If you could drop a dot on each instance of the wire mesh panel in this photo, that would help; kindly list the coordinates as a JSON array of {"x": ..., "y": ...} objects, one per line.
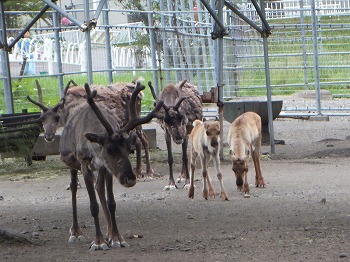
[{"x": 183, "y": 48}]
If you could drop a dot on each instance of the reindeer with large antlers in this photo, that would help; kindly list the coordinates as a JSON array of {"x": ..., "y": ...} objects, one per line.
[
  {"x": 182, "y": 105},
  {"x": 94, "y": 142}
]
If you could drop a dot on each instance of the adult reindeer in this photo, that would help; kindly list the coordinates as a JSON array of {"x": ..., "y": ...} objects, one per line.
[
  {"x": 182, "y": 105},
  {"x": 94, "y": 142},
  {"x": 50, "y": 116}
]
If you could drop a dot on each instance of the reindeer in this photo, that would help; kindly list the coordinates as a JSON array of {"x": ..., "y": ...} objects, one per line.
[
  {"x": 244, "y": 138},
  {"x": 94, "y": 142},
  {"x": 182, "y": 105},
  {"x": 50, "y": 116},
  {"x": 205, "y": 137}
]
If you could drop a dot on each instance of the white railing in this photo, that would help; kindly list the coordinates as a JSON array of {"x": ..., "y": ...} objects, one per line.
[{"x": 292, "y": 8}]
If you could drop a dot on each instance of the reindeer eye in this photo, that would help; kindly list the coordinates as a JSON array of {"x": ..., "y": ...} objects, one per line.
[{"x": 208, "y": 133}]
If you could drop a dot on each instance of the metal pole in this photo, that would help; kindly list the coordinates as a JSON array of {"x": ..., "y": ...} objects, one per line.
[
  {"x": 28, "y": 26},
  {"x": 316, "y": 65},
  {"x": 212, "y": 12},
  {"x": 64, "y": 13},
  {"x": 153, "y": 45},
  {"x": 88, "y": 44},
  {"x": 99, "y": 9},
  {"x": 5, "y": 64},
  {"x": 58, "y": 51},
  {"x": 164, "y": 41},
  {"x": 303, "y": 38},
  {"x": 220, "y": 78},
  {"x": 108, "y": 44},
  {"x": 268, "y": 83}
]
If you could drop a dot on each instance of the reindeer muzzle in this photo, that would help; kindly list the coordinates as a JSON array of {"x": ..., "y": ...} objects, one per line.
[
  {"x": 239, "y": 181},
  {"x": 49, "y": 138},
  {"x": 214, "y": 144},
  {"x": 128, "y": 180}
]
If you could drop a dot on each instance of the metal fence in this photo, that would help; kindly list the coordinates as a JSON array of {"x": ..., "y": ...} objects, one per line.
[{"x": 181, "y": 46}]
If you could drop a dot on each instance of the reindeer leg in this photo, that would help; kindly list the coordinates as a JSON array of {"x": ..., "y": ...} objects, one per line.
[
  {"x": 99, "y": 242},
  {"x": 138, "y": 147},
  {"x": 103, "y": 175},
  {"x": 171, "y": 185},
  {"x": 259, "y": 180},
  {"x": 205, "y": 192},
  {"x": 75, "y": 231},
  {"x": 216, "y": 161},
  {"x": 246, "y": 189},
  {"x": 211, "y": 191},
  {"x": 185, "y": 172},
  {"x": 116, "y": 239},
  {"x": 145, "y": 143},
  {"x": 193, "y": 167}
]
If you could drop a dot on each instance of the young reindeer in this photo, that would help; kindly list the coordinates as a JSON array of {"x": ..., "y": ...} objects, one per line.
[
  {"x": 182, "y": 105},
  {"x": 244, "y": 138},
  {"x": 94, "y": 142},
  {"x": 205, "y": 138}
]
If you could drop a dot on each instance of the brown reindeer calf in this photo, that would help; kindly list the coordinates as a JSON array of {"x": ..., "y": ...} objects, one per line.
[
  {"x": 244, "y": 139},
  {"x": 205, "y": 138}
]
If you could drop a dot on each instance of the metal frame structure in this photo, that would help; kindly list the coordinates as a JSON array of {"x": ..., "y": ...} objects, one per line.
[{"x": 219, "y": 31}]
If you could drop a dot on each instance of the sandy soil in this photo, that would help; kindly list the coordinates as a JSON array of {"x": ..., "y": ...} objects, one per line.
[{"x": 303, "y": 213}]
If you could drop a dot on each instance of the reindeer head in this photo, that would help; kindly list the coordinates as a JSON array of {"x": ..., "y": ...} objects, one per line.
[
  {"x": 173, "y": 118},
  {"x": 50, "y": 117},
  {"x": 115, "y": 145},
  {"x": 240, "y": 168},
  {"x": 212, "y": 131}
]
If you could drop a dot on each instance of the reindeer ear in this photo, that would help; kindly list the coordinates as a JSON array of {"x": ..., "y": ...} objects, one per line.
[{"x": 94, "y": 138}]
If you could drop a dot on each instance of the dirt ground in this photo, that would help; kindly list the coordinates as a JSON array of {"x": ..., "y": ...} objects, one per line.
[{"x": 303, "y": 214}]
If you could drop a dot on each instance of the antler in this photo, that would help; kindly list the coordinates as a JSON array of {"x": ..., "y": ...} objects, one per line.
[
  {"x": 100, "y": 116},
  {"x": 67, "y": 87},
  {"x": 152, "y": 91},
  {"x": 135, "y": 121},
  {"x": 44, "y": 108},
  {"x": 40, "y": 100},
  {"x": 40, "y": 93},
  {"x": 181, "y": 85},
  {"x": 155, "y": 96},
  {"x": 181, "y": 98}
]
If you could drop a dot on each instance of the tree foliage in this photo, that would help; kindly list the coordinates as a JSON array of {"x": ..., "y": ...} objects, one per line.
[
  {"x": 138, "y": 5},
  {"x": 16, "y": 20}
]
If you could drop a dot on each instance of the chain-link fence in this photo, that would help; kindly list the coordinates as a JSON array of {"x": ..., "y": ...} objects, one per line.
[{"x": 175, "y": 43}]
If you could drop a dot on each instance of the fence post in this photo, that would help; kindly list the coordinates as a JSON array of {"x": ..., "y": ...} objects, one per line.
[
  {"x": 316, "y": 65},
  {"x": 303, "y": 38},
  {"x": 6, "y": 64},
  {"x": 152, "y": 44},
  {"x": 58, "y": 52},
  {"x": 108, "y": 44},
  {"x": 88, "y": 44}
]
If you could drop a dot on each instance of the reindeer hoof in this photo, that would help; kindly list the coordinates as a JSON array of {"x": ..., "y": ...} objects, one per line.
[
  {"x": 94, "y": 247},
  {"x": 246, "y": 195},
  {"x": 170, "y": 187},
  {"x": 181, "y": 179},
  {"x": 186, "y": 186},
  {"x": 124, "y": 244},
  {"x": 73, "y": 239}
]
